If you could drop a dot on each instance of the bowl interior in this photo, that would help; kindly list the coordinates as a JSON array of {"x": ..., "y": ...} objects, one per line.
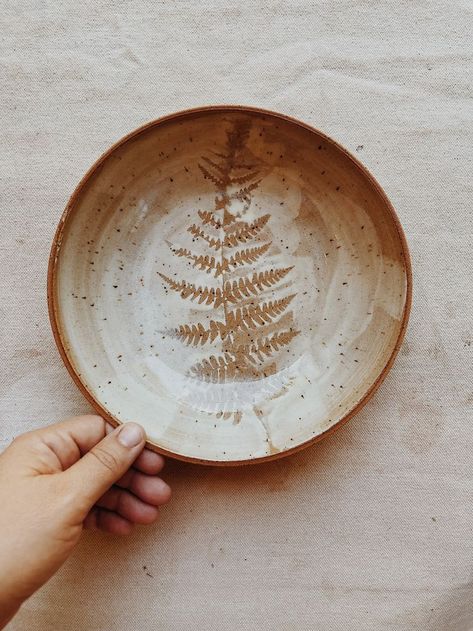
[{"x": 232, "y": 280}]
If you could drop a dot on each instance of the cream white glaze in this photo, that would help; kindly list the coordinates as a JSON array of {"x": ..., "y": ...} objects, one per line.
[{"x": 327, "y": 223}]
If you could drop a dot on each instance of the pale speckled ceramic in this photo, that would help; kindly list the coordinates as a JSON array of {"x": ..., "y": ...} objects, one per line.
[{"x": 231, "y": 279}]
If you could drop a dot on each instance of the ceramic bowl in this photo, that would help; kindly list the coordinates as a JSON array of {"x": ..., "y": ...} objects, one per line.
[{"x": 233, "y": 280}]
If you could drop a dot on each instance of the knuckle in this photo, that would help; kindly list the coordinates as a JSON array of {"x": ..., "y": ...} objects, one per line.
[
  {"x": 17, "y": 441},
  {"x": 24, "y": 442},
  {"x": 22, "y": 439},
  {"x": 92, "y": 419},
  {"x": 106, "y": 459},
  {"x": 95, "y": 418}
]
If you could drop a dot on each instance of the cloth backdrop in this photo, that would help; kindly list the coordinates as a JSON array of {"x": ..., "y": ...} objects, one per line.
[{"x": 371, "y": 529}]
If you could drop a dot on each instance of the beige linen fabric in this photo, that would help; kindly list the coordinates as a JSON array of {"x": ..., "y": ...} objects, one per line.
[{"x": 371, "y": 529}]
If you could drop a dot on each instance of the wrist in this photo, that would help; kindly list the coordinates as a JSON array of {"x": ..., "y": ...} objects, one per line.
[
  {"x": 9, "y": 606},
  {"x": 14, "y": 589}
]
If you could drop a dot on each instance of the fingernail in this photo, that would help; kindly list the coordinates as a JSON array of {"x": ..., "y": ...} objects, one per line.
[{"x": 131, "y": 435}]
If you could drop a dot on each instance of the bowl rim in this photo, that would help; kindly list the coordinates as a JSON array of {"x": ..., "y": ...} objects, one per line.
[{"x": 56, "y": 246}]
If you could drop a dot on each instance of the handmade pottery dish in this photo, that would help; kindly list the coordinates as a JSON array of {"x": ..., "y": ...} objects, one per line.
[{"x": 233, "y": 280}]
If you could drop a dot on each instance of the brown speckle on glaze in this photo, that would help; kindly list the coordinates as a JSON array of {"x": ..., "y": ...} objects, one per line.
[{"x": 242, "y": 265}]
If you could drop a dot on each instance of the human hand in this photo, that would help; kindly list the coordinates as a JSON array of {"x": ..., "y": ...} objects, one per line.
[{"x": 56, "y": 481}]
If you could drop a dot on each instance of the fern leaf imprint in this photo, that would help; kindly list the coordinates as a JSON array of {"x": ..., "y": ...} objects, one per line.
[{"x": 248, "y": 322}]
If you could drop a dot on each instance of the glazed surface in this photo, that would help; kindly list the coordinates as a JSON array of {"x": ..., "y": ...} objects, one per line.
[{"x": 232, "y": 281}]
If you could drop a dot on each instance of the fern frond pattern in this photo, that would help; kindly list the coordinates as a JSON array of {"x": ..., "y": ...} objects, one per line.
[{"x": 249, "y": 322}]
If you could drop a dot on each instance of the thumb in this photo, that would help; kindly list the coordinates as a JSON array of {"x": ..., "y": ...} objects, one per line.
[{"x": 105, "y": 463}]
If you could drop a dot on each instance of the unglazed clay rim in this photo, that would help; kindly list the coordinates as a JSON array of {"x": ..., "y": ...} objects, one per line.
[{"x": 56, "y": 245}]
